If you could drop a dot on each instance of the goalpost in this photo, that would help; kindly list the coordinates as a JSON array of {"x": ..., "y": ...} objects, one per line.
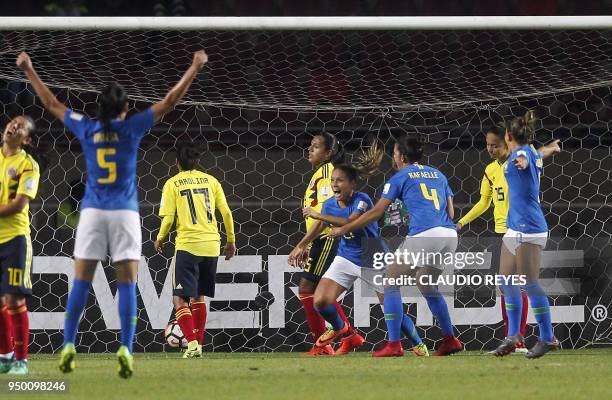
[{"x": 273, "y": 81}]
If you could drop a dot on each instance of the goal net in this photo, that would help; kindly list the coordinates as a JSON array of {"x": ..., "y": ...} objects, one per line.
[{"x": 257, "y": 103}]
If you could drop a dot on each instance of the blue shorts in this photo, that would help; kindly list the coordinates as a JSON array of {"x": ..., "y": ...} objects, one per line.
[
  {"x": 16, "y": 266},
  {"x": 194, "y": 275}
]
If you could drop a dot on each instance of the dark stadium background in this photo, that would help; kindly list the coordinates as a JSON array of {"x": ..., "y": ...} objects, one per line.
[{"x": 258, "y": 153}]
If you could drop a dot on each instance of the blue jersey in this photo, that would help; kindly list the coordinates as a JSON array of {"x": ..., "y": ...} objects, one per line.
[
  {"x": 525, "y": 214},
  {"x": 351, "y": 245},
  {"x": 110, "y": 158},
  {"x": 424, "y": 191}
]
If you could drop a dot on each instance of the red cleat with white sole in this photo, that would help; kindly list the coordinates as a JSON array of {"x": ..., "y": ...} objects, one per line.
[
  {"x": 390, "y": 349},
  {"x": 350, "y": 343},
  {"x": 450, "y": 345}
]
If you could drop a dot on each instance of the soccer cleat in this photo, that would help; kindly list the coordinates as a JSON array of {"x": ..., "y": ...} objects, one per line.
[
  {"x": 126, "y": 363},
  {"x": 508, "y": 345},
  {"x": 321, "y": 351},
  {"x": 349, "y": 343},
  {"x": 67, "y": 363},
  {"x": 330, "y": 335},
  {"x": 193, "y": 350},
  {"x": 390, "y": 349},
  {"x": 420, "y": 350},
  {"x": 542, "y": 348},
  {"x": 450, "y": 345},
  {"x": 5, "y": 364},
  {"x": 18, "y": 367}
]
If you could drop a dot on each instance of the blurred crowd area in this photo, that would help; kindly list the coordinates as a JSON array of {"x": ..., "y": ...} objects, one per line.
[{"x": 303, "y": 8}]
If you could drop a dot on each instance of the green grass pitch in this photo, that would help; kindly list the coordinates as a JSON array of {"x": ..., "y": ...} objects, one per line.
[{"x": 567, "y": 374}]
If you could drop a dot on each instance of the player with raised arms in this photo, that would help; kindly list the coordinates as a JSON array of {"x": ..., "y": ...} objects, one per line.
[
  {"x": 109, "y": 222},
  {"x": 429, "y": 201},
  {"x": 494, "y": 190},
  {"x": 193, "y": 196},
  {"x": 323, "y": 153},
  {"x": 353, "y": 260},
  {"x": 525, "y": 238},
  {"x": 18, "y": 185}
]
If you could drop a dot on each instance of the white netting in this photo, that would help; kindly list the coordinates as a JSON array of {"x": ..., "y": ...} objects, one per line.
[{"x": 256, "y": 104}]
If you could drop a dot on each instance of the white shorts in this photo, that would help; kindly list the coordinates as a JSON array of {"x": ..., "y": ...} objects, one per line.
[
  {"x": 108, "y": 232},
  {"x": 513, "y": 239},
  {"x": 430, "y": 248},
  {"x": 345, "y": 273}
]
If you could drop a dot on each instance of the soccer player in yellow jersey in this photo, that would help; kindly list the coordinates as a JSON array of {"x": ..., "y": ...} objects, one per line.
[
  {"x": 323, "y": 153},
  {"x": 494, "y": 189},
  {"x": 19, "y": 176},
  {"x": 193, "y": 196}
]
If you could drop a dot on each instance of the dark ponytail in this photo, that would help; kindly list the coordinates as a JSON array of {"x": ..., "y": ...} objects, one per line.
[
  {"x": 522, "y": 128},
  {"x": 110, "y": 104},
  {"x": 333, "y": 145},
  {"x": 33, "y": 151},
  {"x": 410, "y": 147},
  {"x": 498, "y": 129},
  {"x": 188, "y": 156}
]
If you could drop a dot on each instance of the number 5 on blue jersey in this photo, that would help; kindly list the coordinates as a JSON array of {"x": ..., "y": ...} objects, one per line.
[{"x": 110, "y": 166}]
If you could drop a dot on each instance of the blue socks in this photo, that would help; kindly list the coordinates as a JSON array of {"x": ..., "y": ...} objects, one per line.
[
  {"x": 330, "y": 314},
  {"x": 398, "y": 322},
  {"x": 127, "y": 313},
  {"x": 77, "y": 299},
  {"x": 394, "y": 313},
  {"x": 514, "y": 307},
  {"x": 541, "y": 310},
  {"x": 409, "y": 330},
  {"x": 439, "y": 309}
]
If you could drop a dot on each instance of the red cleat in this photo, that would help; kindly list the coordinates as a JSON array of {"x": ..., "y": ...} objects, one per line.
[
  {"x": 350, "y": 343},
  {"x": 390, "y": 349},
  {"x": 450, "y": 345},
  {"x": 320, "y": 351}
]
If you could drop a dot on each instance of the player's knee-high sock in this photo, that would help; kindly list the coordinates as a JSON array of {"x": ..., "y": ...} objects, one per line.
[
  {"x": 198, "y": 310},
  {"x": 504, "y": 314},
  {"x": 127, "y": 313},
  {"x": 439, "y": 309},
  {"x": 331, "y": 315},
  {"x": 6, "y": 331},
  {"x": 541, "y": 310},
  {"x": 514, "y": 305},
  {"x": 410, "y": 331},
  {"x": 524, "y": 312},
  {"x": 394, "y": 312},
  {"x": 77, "y": 299},
  {"x": 21, "y": 331},
  {"x": 315, "y": 321},
  {"x": 185, "y": 321},
  {"x": 343, "y": 316}
]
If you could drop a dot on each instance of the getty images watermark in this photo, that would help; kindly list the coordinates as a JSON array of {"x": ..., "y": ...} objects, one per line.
[{"x": 413, "y": 259}]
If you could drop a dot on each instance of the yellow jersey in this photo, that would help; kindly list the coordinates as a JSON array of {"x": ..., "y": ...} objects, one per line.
[
  {"x": 318, "y": 190},
  {"x": 19, "y": 175},
  {"x": 493, "y": 188},
  {"x": 194, "y": 196}
]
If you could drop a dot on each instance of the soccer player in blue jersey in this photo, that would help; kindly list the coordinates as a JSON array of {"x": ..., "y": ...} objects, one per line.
[
  {"x": 348, "y": 265},
  {"x": 429, "y": 201},
  {"x": 525, "y": 238},
  {"x": 109, "y": 221}
]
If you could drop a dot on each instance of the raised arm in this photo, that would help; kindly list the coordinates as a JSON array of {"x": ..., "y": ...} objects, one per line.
[
  {"x": 548, "y": 150},
  {"x": 47, "y": 98},
  {"x": 175, "y": 94}
]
